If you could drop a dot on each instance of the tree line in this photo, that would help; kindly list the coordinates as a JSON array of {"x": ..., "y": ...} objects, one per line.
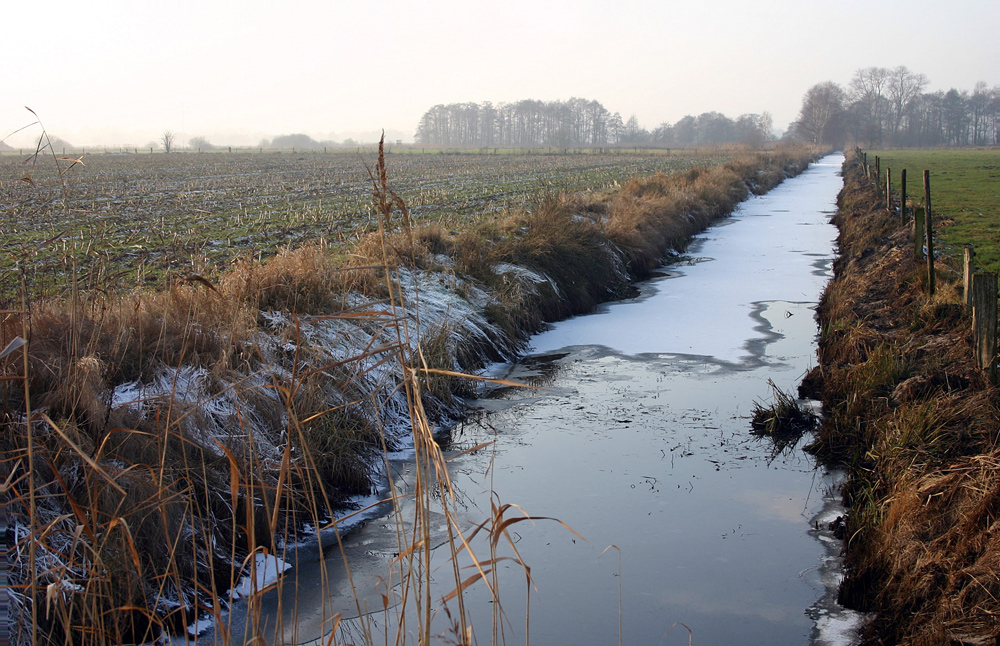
[
  {"x": 883, "y": 106},
  {"x": 576, "y": 123}
]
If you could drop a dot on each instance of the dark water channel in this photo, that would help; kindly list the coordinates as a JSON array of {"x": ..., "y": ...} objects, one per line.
[{"x": 637, "y": 436}]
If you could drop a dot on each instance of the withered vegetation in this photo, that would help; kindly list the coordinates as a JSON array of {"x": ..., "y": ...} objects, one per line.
[
  {"x": 918, "y": 427},
  {"x": 135, "y": 517}
]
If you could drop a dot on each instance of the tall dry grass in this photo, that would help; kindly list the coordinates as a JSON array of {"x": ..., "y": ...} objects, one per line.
[{"x": 136, "y": 517}]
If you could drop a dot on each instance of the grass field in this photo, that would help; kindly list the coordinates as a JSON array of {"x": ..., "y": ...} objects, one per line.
[
  {"x": 126, "y": 220},
  {"x": 965, "y": 197}
]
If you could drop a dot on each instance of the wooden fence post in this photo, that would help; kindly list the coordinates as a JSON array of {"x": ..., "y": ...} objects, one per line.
[
  {"x": 984, "y": 322},
  {"x": 929, "y": 230},
  {"x": 968, "y": 269},
  {"x": 902, "y": 195}
]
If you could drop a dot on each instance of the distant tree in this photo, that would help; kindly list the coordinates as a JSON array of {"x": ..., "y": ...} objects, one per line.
[
  {"x": 994, "y": 115},
  {"x": 562, "y": 124},
  {"x": 592, "y": 122},
  {"x": 297, "y": 141},
  {"x": 754, "y": 129},
  {"x": 167, "y": 140},
  {"x": 890, "y": 105},
  {"x": 200, "y": 143},
  {"x": 684, "y": 130},
  {"x": 663, "y": 134},
  {"x": 616, "y": 128},
  {"x": 633, "y": 133},
  {"x": 925, "y": 125},
  {"x": 957, "y": 121},
  {"x": 713, "y": 128},
  {"x": 982, "y": 110},
  {"x": 57, "y": 144},
  {"x": 821, "y": 118}
]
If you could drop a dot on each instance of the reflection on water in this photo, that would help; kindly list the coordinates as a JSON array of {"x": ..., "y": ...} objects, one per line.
[{"x": 653, "y": 454}]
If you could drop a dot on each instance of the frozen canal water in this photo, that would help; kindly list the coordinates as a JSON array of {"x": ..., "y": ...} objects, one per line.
[{"x": 638, "y": 437}]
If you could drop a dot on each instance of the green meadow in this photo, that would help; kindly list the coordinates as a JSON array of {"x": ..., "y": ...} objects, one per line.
[{"x": 965, "y": 197}]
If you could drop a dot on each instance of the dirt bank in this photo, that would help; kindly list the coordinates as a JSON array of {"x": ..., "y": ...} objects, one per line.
[{"x": 918, "y": 427}]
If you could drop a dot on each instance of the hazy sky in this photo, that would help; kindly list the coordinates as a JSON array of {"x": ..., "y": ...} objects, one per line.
[{"x": 120, "y": 73}]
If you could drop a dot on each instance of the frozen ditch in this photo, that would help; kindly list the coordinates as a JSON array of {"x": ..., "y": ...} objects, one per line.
[{"x": 639, "y": 438}]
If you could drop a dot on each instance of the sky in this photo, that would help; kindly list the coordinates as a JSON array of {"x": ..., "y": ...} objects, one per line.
[{"x": 121, "y": 73}]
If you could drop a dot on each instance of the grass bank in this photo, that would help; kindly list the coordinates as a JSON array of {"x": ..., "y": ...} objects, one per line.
[
  {"x": 163, "y": 446},
  {"x": 916, "y": 424}
]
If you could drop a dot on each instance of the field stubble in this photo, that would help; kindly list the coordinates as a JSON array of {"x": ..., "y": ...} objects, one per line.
[{"x": 131, "y": 220}]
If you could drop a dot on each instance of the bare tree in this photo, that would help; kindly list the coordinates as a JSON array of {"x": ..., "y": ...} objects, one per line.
[
  {"x": 980, "y": 104},
  {"x": 903, "y": 87},
  {"x": 868, "y": 89},
  {"x": 821, "y": 117},
  {"x": 754, "y": 129},
  {"x": 167, "y": 140},
  {"x": 957, "y": 121}
]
